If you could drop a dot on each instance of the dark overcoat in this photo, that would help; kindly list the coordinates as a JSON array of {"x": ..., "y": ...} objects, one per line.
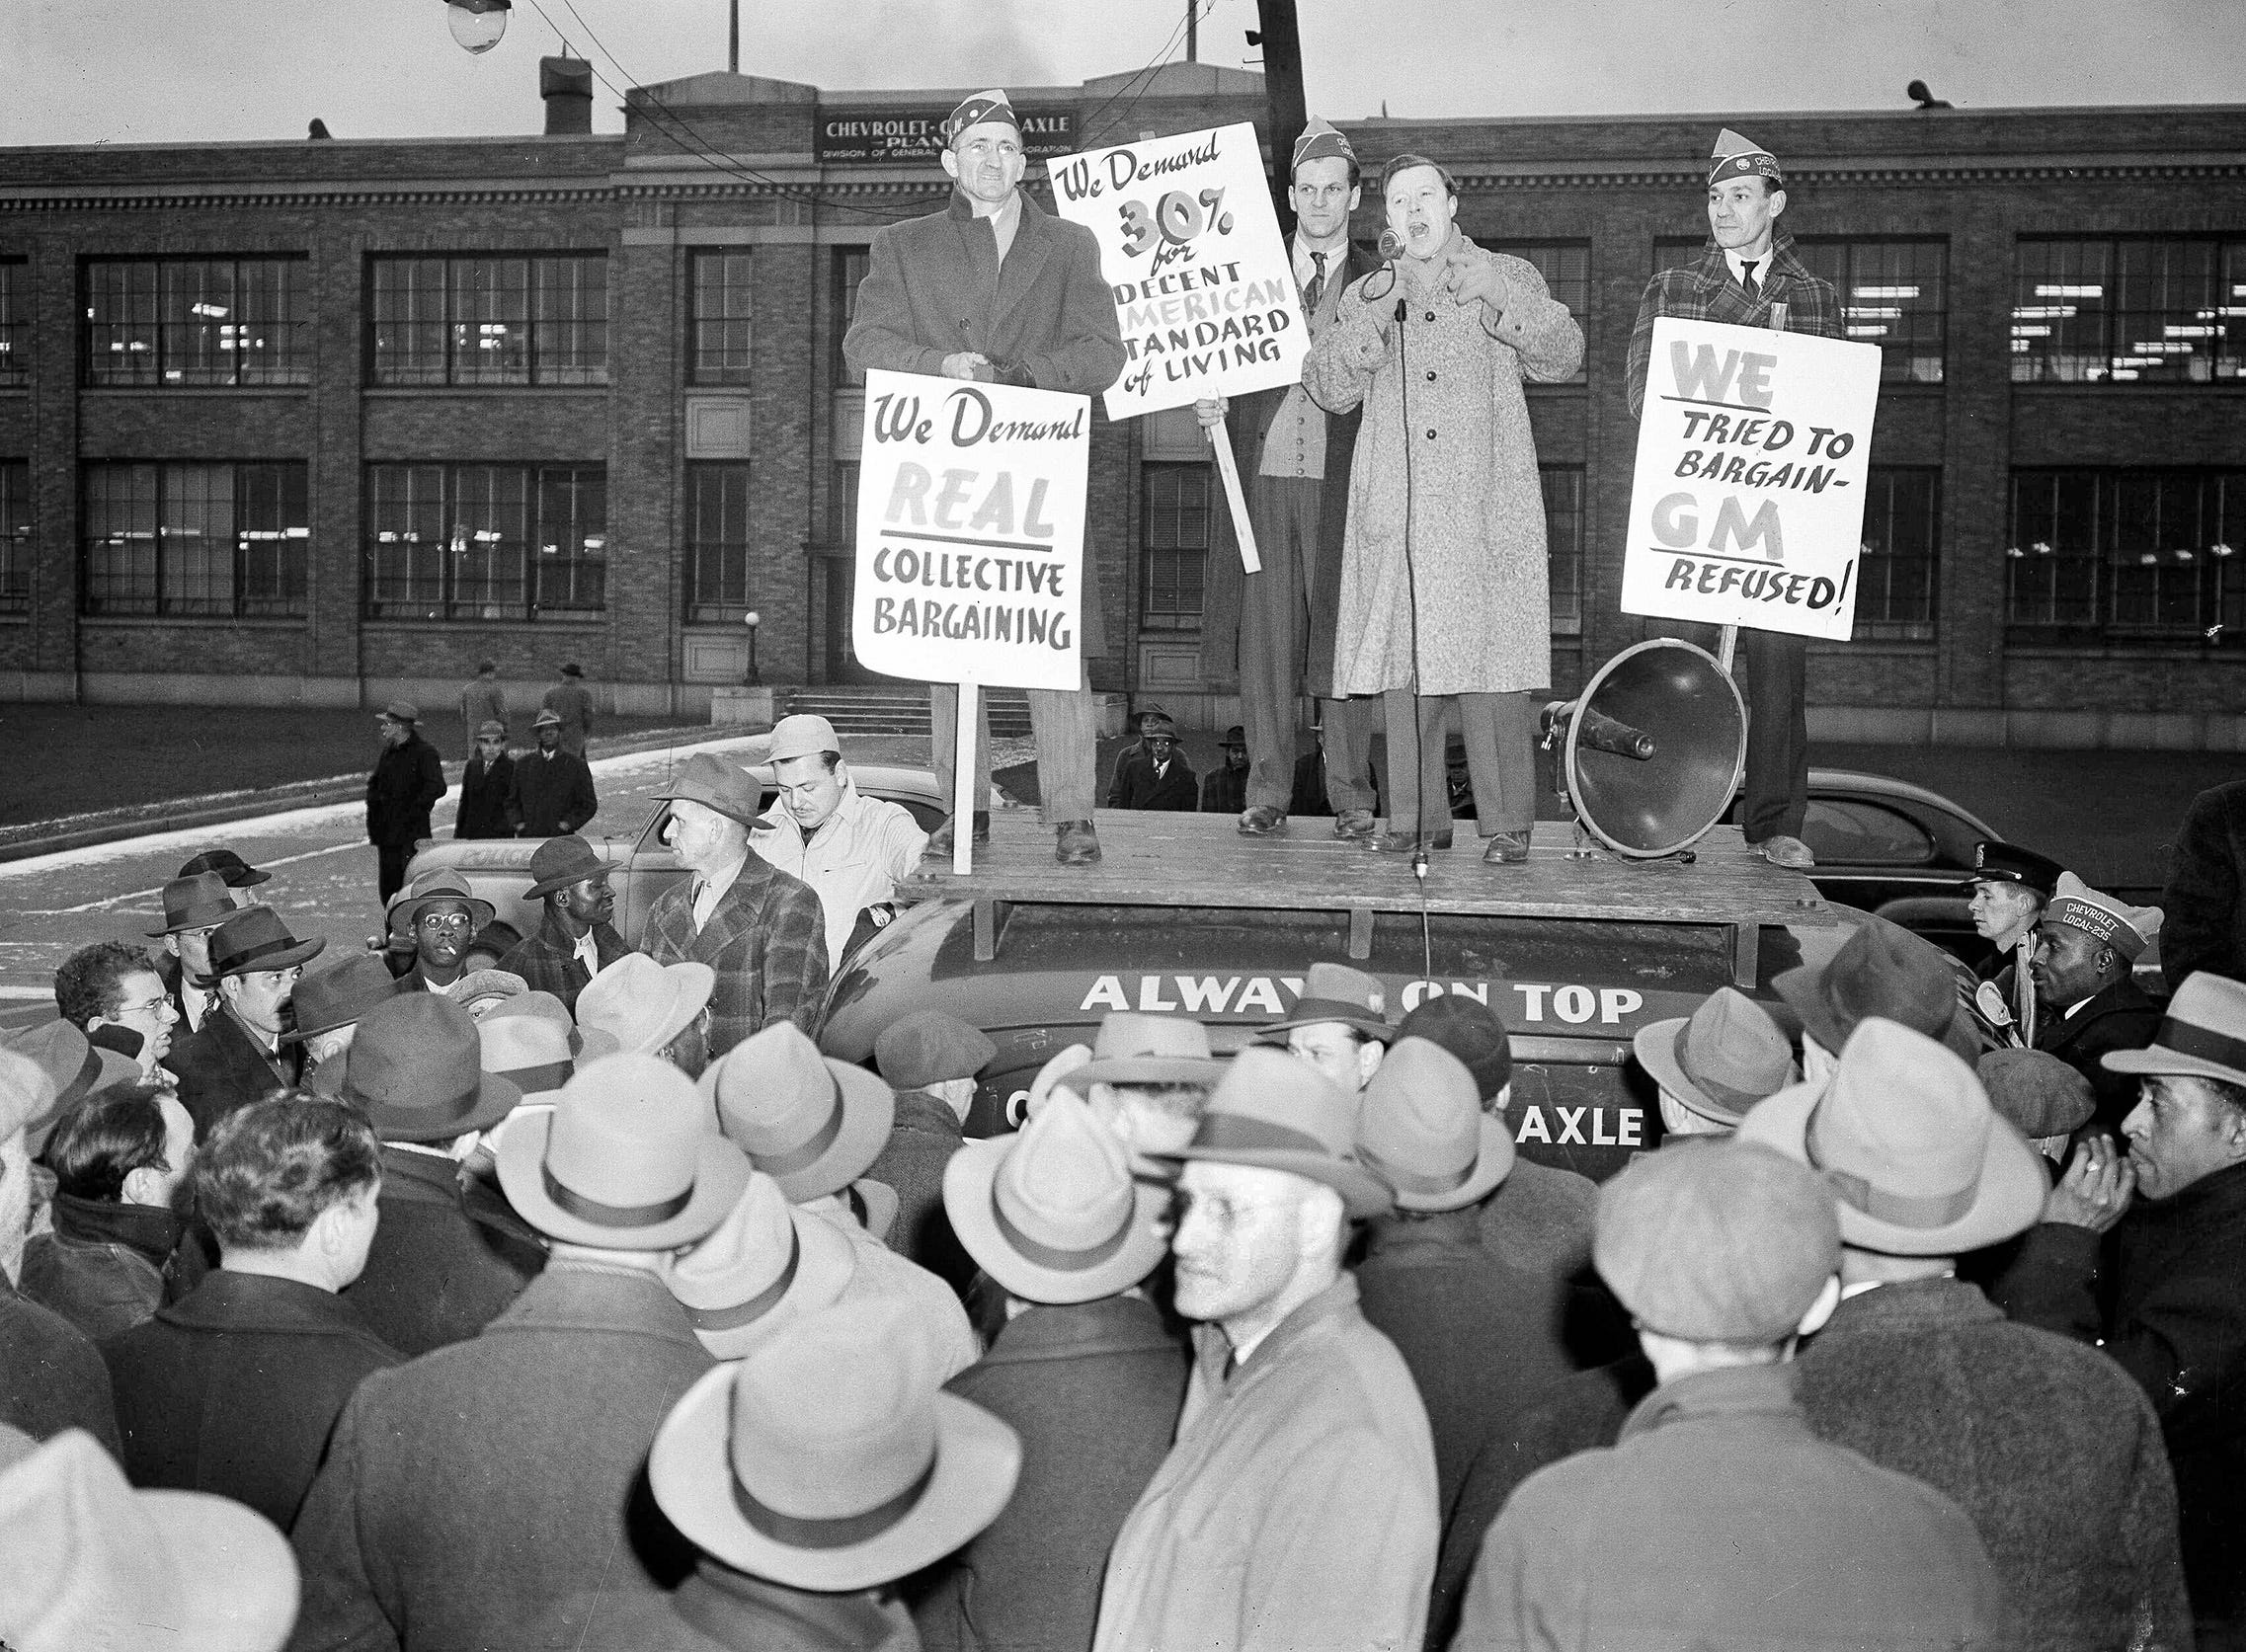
[
  {"x": 1093, "y": 1389},
  {"x": 50, "y": 1376},
  {"x": 407, "y": 781},
  {"x": 547, "y": 958},
  {"x": 466, "y": 1491},
  {"x": 766, "y": 939},
  {"x": 235, "y": 1387},
  {"x": 719, "y": 1609},
  {"x": 1481, "y": 1338},
  {"x": 107, "y": 1266},
  {"x": 1720, "y": 1519},
  {"x": 2047, "y": 1444},
  {"x": 572, "y": 702},
  {"x": 1250, "y": 422},
  {"x": 550, "y": 795},
  {"x": 1540, "y": 1218},
  {"x": 2204, "y": 921},
  {"x": 483, "y": 797},
  {"x": 1139, "y": 787},
  {"x": 2121, "y": 1017},
  {"x": 432, "y": 1276},
  {"x": 920, "y": 1143},
  {"x": 2164, "y": 1294},
  {"x": 223, "y": 1068}
]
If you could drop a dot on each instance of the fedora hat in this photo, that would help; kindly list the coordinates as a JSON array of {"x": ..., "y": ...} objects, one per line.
[
  {"x": 715, "y": 784},
  {"x": 1052, "y": 1213},
  {"x": 1060, "y": 1073},
  {"x": 546, "y": 719},
  {"x": 1722, "y": 1058},
  {"x": 1716, "y": 1240},
  {"x": 238, "y": 873},
  {"x": 1920, "y": 1161},
  {"x": 2202, "y": 1034},
  {"x": 339, "y": 995},
  {"x": 1134, "y": 1048},
  {"x": 528, "y": 1051},
  {"x": 402, "y": 711},
  {"x": 429, "y": 889},
  {"x": 765, "y": 1264},
  {"x": 928, "y": 1047},
  {"x": 1421, "y": 1130},
  {"x": 1469, "y": 1030},
  {"x": 2038, "y": 1094},
  {"x": 802, "y": 736},
  {"x": 1883, "y": 970},
  {"x": 27, "y": 1090},
  {"x": 91, "y": 1562},
  {"x": 586, "y": 1044},
  {"x": 415, "y": 1068},
  {"x": 1236, "y": 738},
  {"x": 1336, "y": 993},
  {"x": 490, "y": 727},
  {"x": 811, "y": 1122},
  {"x": 1278, "y": 1113},
  {"x": 256, "y": 938},
  {"x": 626, "y": 1160},
  {"x": 196, "y": 901},
  {"x": 561, "y": 861},
  {"x": 642, "y": 1005},
  {"x": 880, "y": 1474}
]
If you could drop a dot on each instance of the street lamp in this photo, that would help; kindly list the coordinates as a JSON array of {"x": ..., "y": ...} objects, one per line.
[
  {"x": 752, "y": 619},
  {"x": 477, "y": 25}
]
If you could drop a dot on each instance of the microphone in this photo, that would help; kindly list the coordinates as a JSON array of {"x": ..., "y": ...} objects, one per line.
[{"x": 1391, "y": 246}]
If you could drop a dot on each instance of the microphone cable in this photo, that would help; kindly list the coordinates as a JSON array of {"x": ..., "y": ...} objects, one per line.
[{"x": 1412, "y": 596}]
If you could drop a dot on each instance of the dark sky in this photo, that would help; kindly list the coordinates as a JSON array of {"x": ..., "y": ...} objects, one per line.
[{"x": 191, "y": 70}]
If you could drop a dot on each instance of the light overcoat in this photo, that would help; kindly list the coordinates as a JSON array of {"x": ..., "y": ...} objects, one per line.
[{"x": 1445, "y": 458}]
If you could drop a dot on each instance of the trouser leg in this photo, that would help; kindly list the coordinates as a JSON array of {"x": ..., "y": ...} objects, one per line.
[
  {"x": 1500, "y": 757},
  {"x": 1773, "y": 676},
  {"x": 1273, "y": 617},
  {"x": 1347, "y": 740},
  {"x": 1419, "y": 792},
  {"x": 390, "y": 869},
  {"x": 943, "y": 736},
  {"x": 1066, "y": 723}
]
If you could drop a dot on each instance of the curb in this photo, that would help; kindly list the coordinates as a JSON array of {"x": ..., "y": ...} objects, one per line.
[{"x": 111, "y": 826}]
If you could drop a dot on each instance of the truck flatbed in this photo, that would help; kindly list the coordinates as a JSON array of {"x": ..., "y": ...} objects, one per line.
[{"x": 1163, "y": 859}]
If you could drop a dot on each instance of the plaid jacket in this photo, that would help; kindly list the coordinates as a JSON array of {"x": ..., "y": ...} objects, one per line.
[
  {"x": 548, "y": 961},
  {"x": 1706, "y": 292},
  {"x": 766, "y": 939}
]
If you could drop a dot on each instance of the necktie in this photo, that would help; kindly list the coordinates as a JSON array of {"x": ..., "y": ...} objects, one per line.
[
  {"x": 1748, "y": 280},
  {"x": 1317, "y": 289}
]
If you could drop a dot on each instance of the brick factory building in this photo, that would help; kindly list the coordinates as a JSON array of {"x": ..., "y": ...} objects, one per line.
[{"x": 323, "y": 422}]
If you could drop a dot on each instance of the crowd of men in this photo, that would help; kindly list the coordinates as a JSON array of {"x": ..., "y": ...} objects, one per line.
[{"x": 556, "y": 1291}]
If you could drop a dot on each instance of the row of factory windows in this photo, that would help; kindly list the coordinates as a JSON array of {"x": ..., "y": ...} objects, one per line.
[
  {"x": 2143, "y": 309},
  {"x": 2091, "y": 554}
]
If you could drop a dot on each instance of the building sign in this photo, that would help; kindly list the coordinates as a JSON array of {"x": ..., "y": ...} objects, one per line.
[
  {"x": 971, "y": 533},
  {"x": 1191, "y": 252},
  {"x": 1747, "y": 507},
  {"x": 882, "y": 135}
]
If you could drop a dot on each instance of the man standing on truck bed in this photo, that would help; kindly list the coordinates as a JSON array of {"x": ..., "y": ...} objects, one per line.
[{"x": 995, "y": 288}]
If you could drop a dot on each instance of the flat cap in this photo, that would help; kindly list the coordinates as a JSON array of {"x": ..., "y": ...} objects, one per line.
[
  {"x": 402, "y": 711},
  {"x": 1718, "y": 1241},
  {"x": 2036, "y": 1091},
  {"x": 928, "y": 1047}
]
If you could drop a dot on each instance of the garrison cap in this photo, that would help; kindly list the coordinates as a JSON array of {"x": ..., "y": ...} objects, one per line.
[
  {"x": 993, "y": 105},
  {"x": 1320, "y": 141},
  {"x": 2128, "y": 929},
  {"x": 1737, "y": 156}
]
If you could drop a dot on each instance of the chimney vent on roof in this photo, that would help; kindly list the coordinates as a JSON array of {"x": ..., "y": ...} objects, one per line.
[{"x": 566, "y": 83}]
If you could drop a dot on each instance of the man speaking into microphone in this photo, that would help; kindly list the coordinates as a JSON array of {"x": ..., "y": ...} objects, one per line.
[{"x": 1445, "y": 584}]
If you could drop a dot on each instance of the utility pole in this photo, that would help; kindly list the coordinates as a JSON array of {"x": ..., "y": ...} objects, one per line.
[
  {"x": 1193, "y": 31},
  {"x": 1282, "y": 41},
  {"x": 732, "y": 37}
]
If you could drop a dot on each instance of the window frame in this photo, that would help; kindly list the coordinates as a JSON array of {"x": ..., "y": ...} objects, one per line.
[
  {"x": 844, "y": 293},
  {"x": 2090, "y": 569},
  {"x": 264, "y": 503},
  {"x": 1567, "y": 614},
  {"x": 1923, "y": 627},
  {"x": 2055, "y": 344},
  {"x": 151, "y": 283},
  {"x": 1541, "y": 253},
  {"x": 19, "y": 535},
  {"x": 1182, "y": 621},
  {"x": 737, "y": 350},
  {"x": 15, "y": 328},
  {"x": 499, "y": 295},
  {"x": 480, "y": 527},
  {"x": 722, "y": 609}
]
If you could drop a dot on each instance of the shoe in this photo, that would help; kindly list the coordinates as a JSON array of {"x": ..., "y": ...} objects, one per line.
[
  {"x": 1789, "y": 852},
  {"x": 939, "y": 841},
  {"x": 1405, "y": 842},
  {"x": 1260, "y": 820},
  {"x": 1507, "y": 848},
  {"x": 1075, "y": 843},
  {"x": 1354, "y": 824}
]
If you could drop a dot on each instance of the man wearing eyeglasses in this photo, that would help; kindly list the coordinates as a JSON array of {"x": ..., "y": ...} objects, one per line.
[
  {"x": 443, "y": 916},
  {"x": 109, "y": 992}
]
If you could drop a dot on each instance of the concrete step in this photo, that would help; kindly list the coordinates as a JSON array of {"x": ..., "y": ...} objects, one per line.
[{"x": 882, "y": 710}]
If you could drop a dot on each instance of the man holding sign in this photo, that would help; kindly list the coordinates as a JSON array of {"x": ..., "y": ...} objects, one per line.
[
  {"x": 1748, "y": 277},
  {"x": 995, "y": 289}
]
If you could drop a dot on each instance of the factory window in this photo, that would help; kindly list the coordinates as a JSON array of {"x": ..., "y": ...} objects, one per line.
[
  {"x": 1173, "y": 554},
  {"x": 1564, "y": 538},
  {"x": 15, "y": 536},
  {"x": 1565, "y": 267},
  {"x": 717, "y": 543},
  {"x": 1896, "y": 575},
  {"x": 15, "y": 327},
  {"x": 2150, "y": 555},
  {"x": 485, "y": 541},
  {"x": 2133, "y": 310},
  {"x": 1894, "y": 294},
  {"x": 488, "y": 320},
  {"x": 850, "y": 266},
  {"x": 227, "y": 541},
  {"x": 197, "y": 323},
  {"x": 721, "y": 312}
]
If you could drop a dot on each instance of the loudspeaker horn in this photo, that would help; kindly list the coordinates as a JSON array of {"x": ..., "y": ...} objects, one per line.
[{"x": 1653, "y": 747}]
